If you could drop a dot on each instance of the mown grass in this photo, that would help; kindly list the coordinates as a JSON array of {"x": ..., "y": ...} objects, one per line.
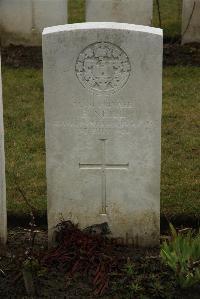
[
  {"x": 24, "y": 138},
  {"x": 181, "y": 142},
  {"x": 76, "y": 11},
  {"x": 25, "y": 151},
  {"x": 170, "y": 10}
]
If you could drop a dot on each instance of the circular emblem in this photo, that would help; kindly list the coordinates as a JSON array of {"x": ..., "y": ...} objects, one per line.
[{"x": 103, "y": 67}]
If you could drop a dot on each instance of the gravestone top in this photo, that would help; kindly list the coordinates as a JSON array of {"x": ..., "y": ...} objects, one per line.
[
  {"x": 125, "y": 11},
  {"x": 191, "y": 21},
  {"x": 22, "y": 21},
  {"x": 102, "y": 25},
  {"x": 103, "y": 100}
]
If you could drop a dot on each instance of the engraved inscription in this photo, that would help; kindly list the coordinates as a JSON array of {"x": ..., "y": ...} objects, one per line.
[
  {"x": 103, "y": 67},
  {"x": 102, "y": 116},
  {"x": 99, "y": 128}
]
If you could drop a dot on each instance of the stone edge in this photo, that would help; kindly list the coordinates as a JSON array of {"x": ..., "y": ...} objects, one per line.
[{"x": 102, "y": 25}]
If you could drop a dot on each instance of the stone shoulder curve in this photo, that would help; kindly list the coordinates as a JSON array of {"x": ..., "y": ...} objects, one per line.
[{"x": 102, "y": 25}]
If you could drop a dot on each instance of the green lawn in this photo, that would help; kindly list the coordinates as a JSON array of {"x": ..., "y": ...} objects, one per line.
[
  {"x": 180, "y": 141},
  {"x": 170, "y": 10},
  {"x": 76, "y": 11},
  {"x": 24, "y": 138}
]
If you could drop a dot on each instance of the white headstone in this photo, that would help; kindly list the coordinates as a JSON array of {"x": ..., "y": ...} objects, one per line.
[
  {"x": 191, "y": 21},
  {"x": 103, "y": 94},
  {"x": 125, "y": 11},
  {"x": 3, "y": 213},
  {"x": 22, "y": 21}
]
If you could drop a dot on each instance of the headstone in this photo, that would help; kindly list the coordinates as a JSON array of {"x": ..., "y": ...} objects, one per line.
[
  {"x": 3, "y": 213},
  {"x": 103, "y": 94},
  {"x": 191, "y": 21},
  {"x": 22, "y": 21},
  {"x": 124, "y": 11}
]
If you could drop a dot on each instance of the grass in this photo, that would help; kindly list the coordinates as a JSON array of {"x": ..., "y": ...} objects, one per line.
[
  {"x": 76, "y": 11},
  {"x": 25, "y": 152},
  {"x": 171, "y": 11},
  {"x": 180, "y": 141},
  {"x": 24, "y": 138}
]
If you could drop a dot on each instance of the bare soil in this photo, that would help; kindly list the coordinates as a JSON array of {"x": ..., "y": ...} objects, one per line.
[
  {"x": 148, "y": 278},
  {"x": 174, "y": 54}
]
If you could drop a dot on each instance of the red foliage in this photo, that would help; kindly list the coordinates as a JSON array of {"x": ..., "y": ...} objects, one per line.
[{"x": 82, "y": 253}]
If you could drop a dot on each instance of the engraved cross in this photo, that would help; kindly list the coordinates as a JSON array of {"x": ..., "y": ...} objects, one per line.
[{"x": 103, "y": 167}]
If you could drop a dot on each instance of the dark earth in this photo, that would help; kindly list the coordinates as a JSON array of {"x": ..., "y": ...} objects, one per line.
[
  {"x": 174, "y": 54},
  {"x": 131, "y": 273}
]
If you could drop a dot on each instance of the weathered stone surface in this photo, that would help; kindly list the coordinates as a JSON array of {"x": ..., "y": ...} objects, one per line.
[
  {"x": 3, "y": 213},
  {"x": 103, "y": 94},
  {"x": 191, "y": 21},
  {"x": 125, "y": 11},
  {"x": 22, "y": 21}
]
